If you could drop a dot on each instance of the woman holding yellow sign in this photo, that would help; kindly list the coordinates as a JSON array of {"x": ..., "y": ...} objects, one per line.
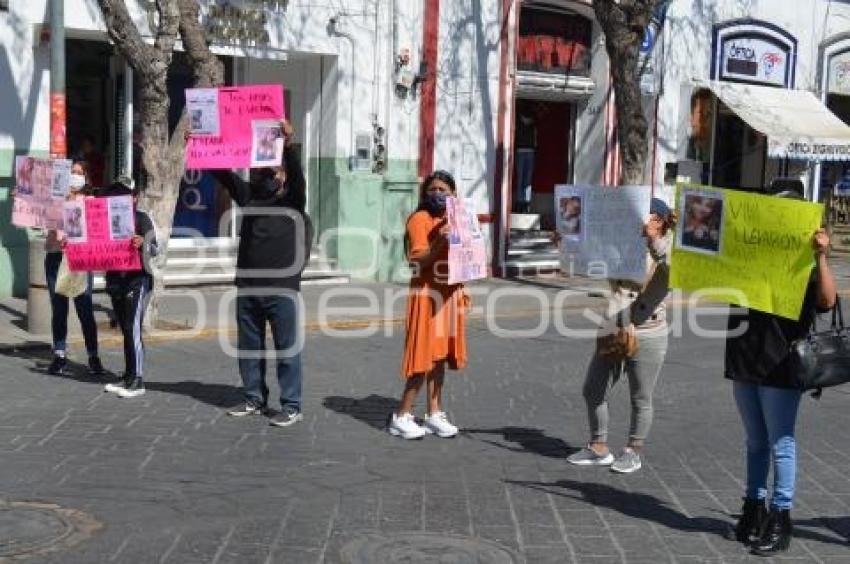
[{"x": 768, "y": 395}]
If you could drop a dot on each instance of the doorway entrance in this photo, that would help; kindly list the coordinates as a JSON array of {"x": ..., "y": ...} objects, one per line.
[
  {"x": 542, "y": 157},
  {"x": 90, "y": 91}
]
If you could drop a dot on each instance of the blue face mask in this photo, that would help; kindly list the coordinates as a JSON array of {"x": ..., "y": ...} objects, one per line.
[{"x": 435, "y": 202}]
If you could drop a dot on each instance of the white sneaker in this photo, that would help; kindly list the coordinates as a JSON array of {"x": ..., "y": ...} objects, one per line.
[
  {"x": 438, "y": 424},
  {"x": 405, "y": 427}
]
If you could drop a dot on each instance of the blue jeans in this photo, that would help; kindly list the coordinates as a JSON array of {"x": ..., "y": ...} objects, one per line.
[
  {"x": 769, "y": 415},
  {"x": 524, "y": 176},
  {"x": 281, "y": 311},
  {"x": 59, "y": 306}
]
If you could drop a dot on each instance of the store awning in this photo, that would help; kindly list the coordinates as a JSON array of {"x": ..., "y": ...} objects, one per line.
[{"x": 797, "y": 124}]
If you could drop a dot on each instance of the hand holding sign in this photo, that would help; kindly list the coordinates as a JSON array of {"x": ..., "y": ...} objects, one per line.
[{"x": 239, "y": 140}]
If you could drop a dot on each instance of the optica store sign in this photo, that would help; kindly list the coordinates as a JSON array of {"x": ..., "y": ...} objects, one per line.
[
  {"x": 825, "y": 150},
  {"x": 754, "y": 59}
]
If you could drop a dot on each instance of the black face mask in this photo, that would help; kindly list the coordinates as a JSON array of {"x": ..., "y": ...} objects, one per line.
[
  {"x": 435, "y": 203},
  {"x": 263, "y": 184}
]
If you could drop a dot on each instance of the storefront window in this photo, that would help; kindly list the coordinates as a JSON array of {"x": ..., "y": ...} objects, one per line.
[{"x": 550, "y": 41}]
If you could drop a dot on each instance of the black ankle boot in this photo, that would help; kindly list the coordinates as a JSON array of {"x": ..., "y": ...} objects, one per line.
[
  {"x": 749, "y": 525},
  {"x": 775, "y": 535}
]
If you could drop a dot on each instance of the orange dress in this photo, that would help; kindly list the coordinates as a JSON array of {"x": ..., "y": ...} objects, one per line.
[{"x": 436, "y": 311}]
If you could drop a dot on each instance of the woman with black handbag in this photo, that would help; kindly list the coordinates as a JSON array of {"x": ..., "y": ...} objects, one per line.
[{"x": 767, "y": 393}]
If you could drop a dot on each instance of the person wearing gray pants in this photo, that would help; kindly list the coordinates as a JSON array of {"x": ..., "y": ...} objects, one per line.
[{"x": 642, "y": 307}]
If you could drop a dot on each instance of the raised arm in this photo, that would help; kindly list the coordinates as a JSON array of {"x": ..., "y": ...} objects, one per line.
[
  {"x": 239, "y": 190},
  {"x": 826, "y": 291}
]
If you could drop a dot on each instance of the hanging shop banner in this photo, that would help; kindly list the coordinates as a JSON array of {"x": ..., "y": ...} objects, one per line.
[
  {"x": 231, "y": 127},
  {"x": 41, "y": 185},
  {"x": 600, "y": 230},
  {"x": 745, "y": 249},
  {"x": 467, "y": 251},
  {"x": 100, "y": 232}
]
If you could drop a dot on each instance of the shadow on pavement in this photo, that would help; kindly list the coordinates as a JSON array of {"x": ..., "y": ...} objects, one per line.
[
  {"x": 372, "y": 410},
  {"x": 217, "y": 395},
  {"x": 637, "y": 505},
  {"x": 527, "y": 439},
  {"x": 838, "y": 525},
  {"x": 646, "y": 507},
  {"x": 19, "y": 318},
  {"x": 41, "y": 356}
]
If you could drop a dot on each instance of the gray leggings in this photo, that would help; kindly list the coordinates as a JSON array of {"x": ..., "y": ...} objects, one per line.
[{"x": 642, "y": 371}]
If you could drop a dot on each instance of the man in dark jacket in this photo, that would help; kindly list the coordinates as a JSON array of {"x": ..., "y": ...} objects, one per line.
[{"x": 274, "y": 248}]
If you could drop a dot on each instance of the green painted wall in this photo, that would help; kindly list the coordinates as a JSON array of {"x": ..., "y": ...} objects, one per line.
[
  {"x": 363, "y": 216},
  {"x": 14, "y": 241}
]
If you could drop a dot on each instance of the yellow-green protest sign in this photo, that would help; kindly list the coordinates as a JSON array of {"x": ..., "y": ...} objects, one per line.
[{"x": 746, "y": 249}]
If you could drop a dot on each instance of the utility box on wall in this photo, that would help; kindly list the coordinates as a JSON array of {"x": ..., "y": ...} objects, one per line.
[{"x": 361, "y": 160}]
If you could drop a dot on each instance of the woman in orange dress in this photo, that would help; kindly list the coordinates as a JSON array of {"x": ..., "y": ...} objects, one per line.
[{"x": 436, "y": 313}]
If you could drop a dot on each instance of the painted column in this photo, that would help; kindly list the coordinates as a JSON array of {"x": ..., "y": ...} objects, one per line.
[{"x": 428, "y": 102}]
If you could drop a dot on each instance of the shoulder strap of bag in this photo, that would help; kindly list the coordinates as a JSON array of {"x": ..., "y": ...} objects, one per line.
[{"x": 837, "y": 315}]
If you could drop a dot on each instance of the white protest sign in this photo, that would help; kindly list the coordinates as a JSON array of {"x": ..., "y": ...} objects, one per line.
[{"x": 601, "y": 229}]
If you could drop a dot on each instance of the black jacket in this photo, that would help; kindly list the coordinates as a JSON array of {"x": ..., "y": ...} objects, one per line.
[
  {"x": 276, "y": 234},
  {"x": 760, "y": 354},
  {"x": 146, "y": 228}
]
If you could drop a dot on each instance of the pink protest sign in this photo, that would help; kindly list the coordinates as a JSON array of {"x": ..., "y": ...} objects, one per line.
[
  {"x": 222, "y": 120},
  {"x": 40, "y": 188},
  {"x": 102, "y": 238},
  {"x": 467, "y": 253}
]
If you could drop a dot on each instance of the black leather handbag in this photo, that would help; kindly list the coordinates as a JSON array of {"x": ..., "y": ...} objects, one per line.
[{"x": 822, "y": 359}]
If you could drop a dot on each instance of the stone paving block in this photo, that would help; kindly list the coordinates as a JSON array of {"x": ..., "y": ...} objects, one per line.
[
  {"x": 594, "y": 546},
  {"x": 545, "y": 555}
]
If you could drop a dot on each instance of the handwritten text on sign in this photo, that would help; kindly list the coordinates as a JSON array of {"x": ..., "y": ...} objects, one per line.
[
  {"x": 757, "y": 255},
  {"x": 100, "y": 252},
  {"x": 40, "y": 189},
  {"x": 600, "y": 230},
  {"x": 467, "y": 253},
  {"x": 237, "y": 108}
]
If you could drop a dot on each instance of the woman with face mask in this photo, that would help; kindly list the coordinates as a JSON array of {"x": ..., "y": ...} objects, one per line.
[
  {"x": 436, "y": 314},
  {"x": 79, "y": 188}
]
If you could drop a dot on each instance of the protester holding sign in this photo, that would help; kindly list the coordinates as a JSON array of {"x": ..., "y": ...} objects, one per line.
[
  {"x": 633, "y": 343},
  {"x": 768, "y": 397},
  {"x": 436, "y": 313},
  {"x": 274, "y": 247},
  {"x": 79, "y": 189},
  {"x": 130, "y": 289}
]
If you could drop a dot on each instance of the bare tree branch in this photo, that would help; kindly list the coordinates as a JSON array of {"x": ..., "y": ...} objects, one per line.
[
  {"x": 207, "y": 69},
  {"x": 624, "y": 23},
  {"x": 125, "y": 35},
  {"x": 169, "y": 24}
]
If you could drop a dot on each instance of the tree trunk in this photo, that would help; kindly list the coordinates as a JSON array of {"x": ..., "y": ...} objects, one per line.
[
  {"x": 162, "y": 159},
  {"x": 162, "y": 201},
  {"x": 624, "y": 23}
]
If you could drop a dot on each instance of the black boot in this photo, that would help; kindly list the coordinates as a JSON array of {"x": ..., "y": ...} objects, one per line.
[
  {"x": 749, "y": 524},
  {"x": 775, "y": 535}
]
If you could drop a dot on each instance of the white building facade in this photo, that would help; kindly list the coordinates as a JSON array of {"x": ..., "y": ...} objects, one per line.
[
  {"x": 726, "y": 46},
  {"x": 512, "y": 97}
]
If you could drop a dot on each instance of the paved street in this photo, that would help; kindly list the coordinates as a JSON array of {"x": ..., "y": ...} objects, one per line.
[{"x": 170, "y": 478}]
